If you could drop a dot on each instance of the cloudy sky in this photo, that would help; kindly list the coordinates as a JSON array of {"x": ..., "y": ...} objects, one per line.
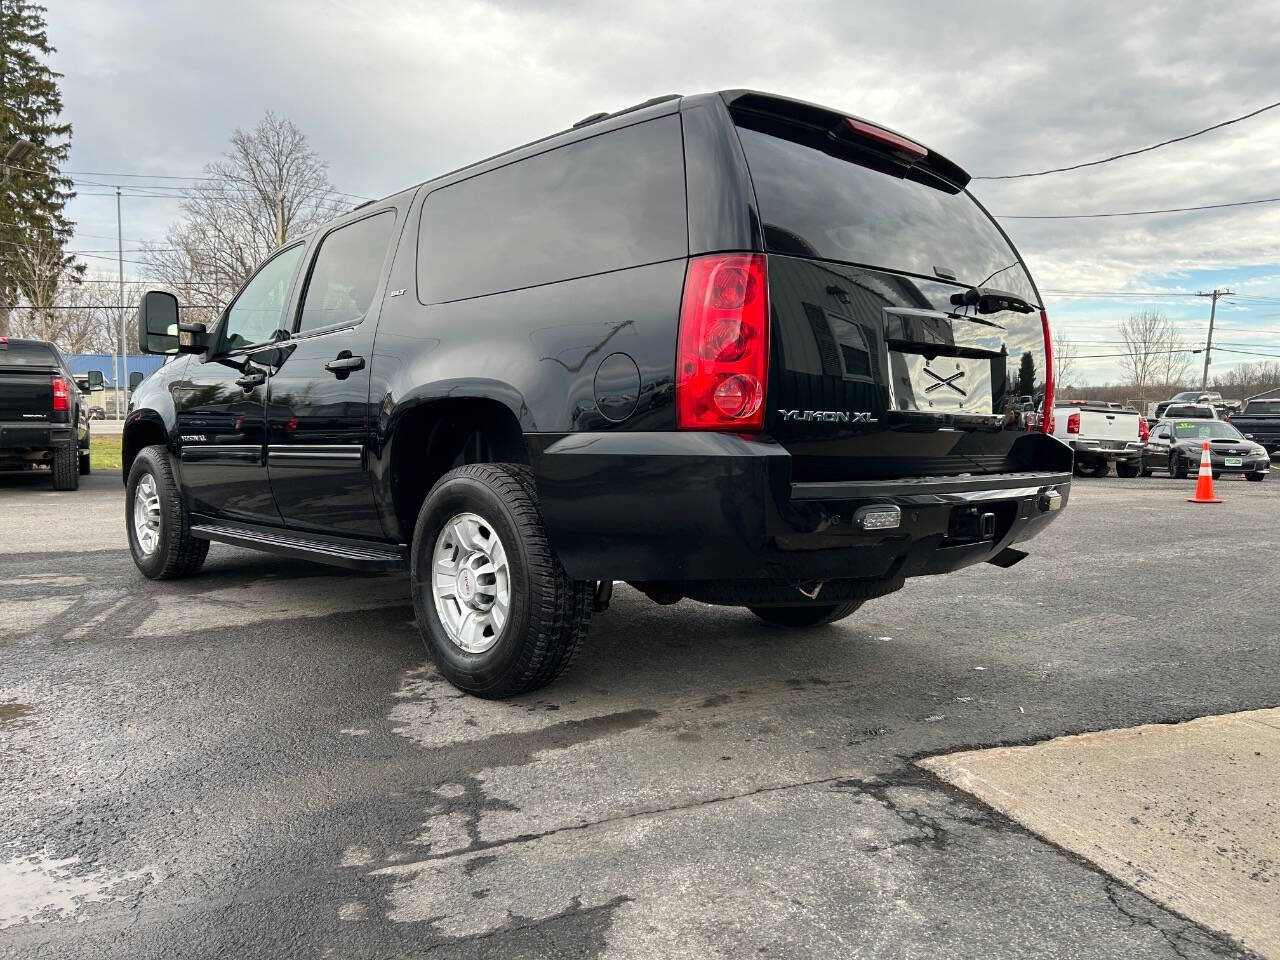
[{"x": 394, "y": 93}]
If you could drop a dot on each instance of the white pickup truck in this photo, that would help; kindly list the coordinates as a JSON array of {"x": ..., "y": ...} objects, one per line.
[{"x": 1101, "y": 433}]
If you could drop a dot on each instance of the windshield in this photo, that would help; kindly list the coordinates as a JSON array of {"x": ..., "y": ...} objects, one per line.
[
  {"x": 1205, "y": 430},
  {"x": 814, "y": 204}
]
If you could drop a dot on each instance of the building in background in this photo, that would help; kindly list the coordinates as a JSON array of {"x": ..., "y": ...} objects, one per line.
[{"x": 114, "y": 401}]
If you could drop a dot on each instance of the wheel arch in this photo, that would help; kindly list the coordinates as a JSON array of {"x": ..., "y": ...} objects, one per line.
[
  {"x": 432, "y": 435},
  {"x": 143, "y": 429}
]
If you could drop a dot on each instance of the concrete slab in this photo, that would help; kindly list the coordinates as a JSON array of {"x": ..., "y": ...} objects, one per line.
[{"x": 1188, "y": 814}]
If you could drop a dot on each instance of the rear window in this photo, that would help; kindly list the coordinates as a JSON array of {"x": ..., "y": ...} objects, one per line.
[
  {"x": 1205, "y": 430},
  {"x": 606, "y": 203},
  {"x": 26, "y": 354},
  {"x": 814, "y": 204},
  {"x": 1262, "y": 406}
]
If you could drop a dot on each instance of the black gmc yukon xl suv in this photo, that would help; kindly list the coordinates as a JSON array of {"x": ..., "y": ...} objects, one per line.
[{"x": 731, "y": 347}]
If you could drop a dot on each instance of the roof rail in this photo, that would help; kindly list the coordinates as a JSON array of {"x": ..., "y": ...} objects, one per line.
[{"x": 597, "y": 117}]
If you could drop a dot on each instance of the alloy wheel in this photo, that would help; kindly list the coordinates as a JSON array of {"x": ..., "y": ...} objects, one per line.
[
  {"x": 471, "y": 582},
  {"x": 146, "y": 514}
]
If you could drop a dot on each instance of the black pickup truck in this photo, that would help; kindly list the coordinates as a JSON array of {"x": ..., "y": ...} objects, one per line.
[
  {"x": 44, "y": 414},
  {"x": 1259, "y": 421},
  {"x": 730, "y": 347}
]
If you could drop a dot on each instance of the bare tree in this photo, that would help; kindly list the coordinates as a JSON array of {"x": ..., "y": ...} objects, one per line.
[
  {"x": 1064, "y": 356},
  {"x": 268, "y": 188},
  {"x": 1155, "y": 357}
]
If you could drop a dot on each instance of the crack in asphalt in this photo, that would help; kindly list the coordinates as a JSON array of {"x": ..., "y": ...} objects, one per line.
[{"x": 1180, "y": 939}]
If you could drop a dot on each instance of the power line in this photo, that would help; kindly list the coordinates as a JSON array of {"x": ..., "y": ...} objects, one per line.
[
  {"x": 1131, "y": 213},
  {"x": 1132, "y": 153}
]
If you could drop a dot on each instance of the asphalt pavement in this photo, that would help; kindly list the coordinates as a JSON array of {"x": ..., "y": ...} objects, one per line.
[{"x": 258, "y": 762}]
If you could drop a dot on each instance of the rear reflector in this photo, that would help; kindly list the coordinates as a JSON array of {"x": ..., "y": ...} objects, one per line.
[
  {"x": 61, "y": 394},
  {"x": 722, "y": 356},
  {"x": 1046, "y": 422},
  {"x": 895, "y": 141}
]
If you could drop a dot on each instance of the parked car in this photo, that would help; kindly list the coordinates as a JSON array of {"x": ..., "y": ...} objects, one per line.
[
  {"x": 44, "y": 417},
  {"x": 1260, "y": 421},
  {"x": 1101, "y": 434},
  {"x": 97, "y": 413},
  {"x": 1177, "y": 445},
  {"x": 1212, "y": 398},
  {"x": 1190, "y": 411},
  {"x": 731, "y": 347}
]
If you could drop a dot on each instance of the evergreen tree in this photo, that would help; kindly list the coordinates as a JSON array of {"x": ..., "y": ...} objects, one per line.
[
  {"x": 1027, "y": 375},
  {"x": 33, "y": 197}
]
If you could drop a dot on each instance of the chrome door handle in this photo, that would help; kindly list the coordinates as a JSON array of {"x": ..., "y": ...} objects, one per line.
[{"x": 342, "y": 366}]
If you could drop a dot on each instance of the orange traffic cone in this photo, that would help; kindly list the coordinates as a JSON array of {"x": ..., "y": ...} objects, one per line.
[{"x": 1204, "y": 482}]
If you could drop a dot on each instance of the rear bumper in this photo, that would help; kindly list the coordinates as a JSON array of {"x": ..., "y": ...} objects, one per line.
[
  {"x": 16, "y": 437},
  {"x": 1097, "y": 450},
  {"x": 712, "y": 506}
]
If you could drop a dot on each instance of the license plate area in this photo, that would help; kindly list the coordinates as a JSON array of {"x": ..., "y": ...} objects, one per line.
[
  {"x": 1235, "y": 461},
  {"x": 940, "y": 384}
]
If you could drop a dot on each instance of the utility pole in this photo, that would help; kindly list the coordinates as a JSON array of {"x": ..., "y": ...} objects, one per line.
[
  {"x": 123, "y": 383},
  {"x": 1213, "y": 308}
]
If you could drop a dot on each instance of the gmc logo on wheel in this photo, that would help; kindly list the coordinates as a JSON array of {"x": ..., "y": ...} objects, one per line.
[{"x": 828, "y": 416}]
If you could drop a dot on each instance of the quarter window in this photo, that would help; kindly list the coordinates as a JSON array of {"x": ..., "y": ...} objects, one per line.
[
  {"x": 255, "y": 315},
  {"x": 346, "y": 273},
  {"x": 613, "y": 201}
]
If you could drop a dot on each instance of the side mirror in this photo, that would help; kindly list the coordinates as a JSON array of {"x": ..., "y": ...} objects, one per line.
[
  {"x": 159, "y": 329},
  {"x": 91, "y": 382}
]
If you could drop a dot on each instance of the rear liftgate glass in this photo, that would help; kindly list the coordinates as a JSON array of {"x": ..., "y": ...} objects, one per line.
[{"x": 901, "y": 314}]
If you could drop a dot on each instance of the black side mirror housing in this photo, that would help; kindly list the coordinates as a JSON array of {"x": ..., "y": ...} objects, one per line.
[
  {"x": 160, "y": 329},
  {"x": 91, "y": 382}
]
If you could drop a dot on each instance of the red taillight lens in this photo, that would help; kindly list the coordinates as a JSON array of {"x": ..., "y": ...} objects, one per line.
[
  {"x": 61, "y": 394},
  {"x": 888, "y": 138},
  {"x": 722, "y": 357},
  {"x": 1073, "y": 423},
  {"x": 1047, "y": 425},
  {"x": 1144, "y": 431}
]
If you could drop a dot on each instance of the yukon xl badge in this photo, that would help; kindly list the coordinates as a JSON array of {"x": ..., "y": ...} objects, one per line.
[
  {"x": 193, "y": 438},
  {"x": 829, "y": 416}
]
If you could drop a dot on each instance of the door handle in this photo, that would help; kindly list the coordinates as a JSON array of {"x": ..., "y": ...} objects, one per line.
[
  {"x": 251, "y": 380},
  {"x": 344, "y": 364}
]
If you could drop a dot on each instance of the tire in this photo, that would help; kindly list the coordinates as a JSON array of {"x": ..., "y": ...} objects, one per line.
[
  {"x": 1255, "y": 477},
  {"x": 1099, "y": 468},
  {"x": 66, "y": 468},
  {"x": 85, "y": 465},
  {"x": 545, "y": 620},
  {"x": 174, "y": 552},
  {"x": 1177, "y": 467},
  {"x": 1217, "y": 474},
  {"x": 806, "y": 615},
  {"x": 1129, "y": 470}
]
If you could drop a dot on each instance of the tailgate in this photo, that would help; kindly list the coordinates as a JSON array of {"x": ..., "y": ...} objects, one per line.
[
  {"x": 25, "y": 397},
  {"x": 1113, "y": 427}
]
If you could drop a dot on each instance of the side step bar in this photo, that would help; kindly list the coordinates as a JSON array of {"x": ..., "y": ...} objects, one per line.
[{"x": 353, "y": 554}]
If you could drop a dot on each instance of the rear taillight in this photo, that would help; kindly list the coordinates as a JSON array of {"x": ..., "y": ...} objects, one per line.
[
  {"x": 1073, "y": 423},
  {"x": 61, "y": 394},
  {"x": 1144, "y": 431},
  {"x": 1047, "y": 425},
  {"x": 722, "y": 355}
]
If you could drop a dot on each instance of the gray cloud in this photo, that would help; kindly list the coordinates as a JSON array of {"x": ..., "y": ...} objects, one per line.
[{"x": 393, "y": 93}]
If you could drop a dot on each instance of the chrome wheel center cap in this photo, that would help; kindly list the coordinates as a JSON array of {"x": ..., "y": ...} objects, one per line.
[{"x": 466, "y": 586}]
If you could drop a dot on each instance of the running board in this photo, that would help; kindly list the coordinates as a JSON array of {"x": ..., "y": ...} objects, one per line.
[{"x": 343, "y": 553}]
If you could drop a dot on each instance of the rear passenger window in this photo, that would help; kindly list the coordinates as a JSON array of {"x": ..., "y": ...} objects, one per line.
[
  {"x": 346, "y": 273},
  {"x": 606, "y": 203}
]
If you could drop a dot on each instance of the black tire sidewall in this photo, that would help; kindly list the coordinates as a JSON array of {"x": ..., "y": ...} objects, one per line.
[{"x": 476, "y": 672}]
